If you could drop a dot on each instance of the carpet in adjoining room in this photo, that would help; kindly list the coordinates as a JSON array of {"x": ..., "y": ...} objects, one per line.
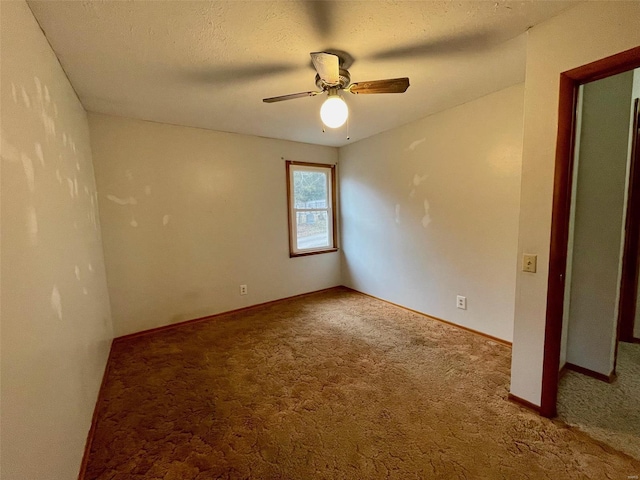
[{"x": 609, "y": 412}]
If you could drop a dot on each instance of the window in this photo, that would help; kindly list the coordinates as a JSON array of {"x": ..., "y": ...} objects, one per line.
[{"x": 312, "y": 202}]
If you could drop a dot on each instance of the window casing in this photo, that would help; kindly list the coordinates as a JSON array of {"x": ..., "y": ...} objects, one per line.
[{"x": 311, "y": 205}]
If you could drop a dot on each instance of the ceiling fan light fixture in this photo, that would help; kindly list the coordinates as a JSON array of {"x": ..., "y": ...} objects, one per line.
[
  {"x": 331, "y": 77},
  {"x": 334, "y": 111}
]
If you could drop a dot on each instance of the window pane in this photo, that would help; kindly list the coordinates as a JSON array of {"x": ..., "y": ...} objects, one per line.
[
  {"x": 313, "y": 229},
  {"x": 310, "y": 189}
]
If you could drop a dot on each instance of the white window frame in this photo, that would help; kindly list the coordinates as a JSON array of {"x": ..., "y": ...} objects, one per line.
[{"x": 330, "y": 171}]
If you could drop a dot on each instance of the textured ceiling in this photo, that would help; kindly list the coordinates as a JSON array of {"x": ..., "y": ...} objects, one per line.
[{"x": 209, "y": 64}]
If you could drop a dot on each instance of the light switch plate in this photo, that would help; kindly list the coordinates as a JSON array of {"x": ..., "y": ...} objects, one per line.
[{"x": 529, "y": 263}]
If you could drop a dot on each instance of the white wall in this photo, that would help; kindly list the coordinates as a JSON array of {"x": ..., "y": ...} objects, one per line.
[
  {"x": 56, "y": 326},
  {"x": 571, "y": 236},
  {"x": 599, "y": 218},
  {"x": 188, "y": 215},
  {"x": 430, "y": 211},
  {"x": 580, "y": 35}
]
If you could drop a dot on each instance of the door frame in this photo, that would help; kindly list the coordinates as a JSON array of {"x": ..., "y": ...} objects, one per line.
[
  {"x": 570, "y": 81},
  {"x": 631, "y": 255}
]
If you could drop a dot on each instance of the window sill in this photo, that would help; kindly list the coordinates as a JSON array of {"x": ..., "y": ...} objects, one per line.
[{"x": 315, "y": 252}]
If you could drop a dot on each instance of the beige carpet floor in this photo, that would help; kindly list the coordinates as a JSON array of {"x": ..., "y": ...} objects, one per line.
[
  {"x": 608, "y": 412},
  {"x": 334, "y": 385}
]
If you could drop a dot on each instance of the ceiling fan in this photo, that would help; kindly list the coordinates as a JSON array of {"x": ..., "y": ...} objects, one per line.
[{"x": 331, "y": 77}]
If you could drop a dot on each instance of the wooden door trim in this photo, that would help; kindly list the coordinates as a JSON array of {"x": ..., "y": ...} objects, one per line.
[
  {"x": 629, "y": 281},
  {"x": 569, "y": 83}
]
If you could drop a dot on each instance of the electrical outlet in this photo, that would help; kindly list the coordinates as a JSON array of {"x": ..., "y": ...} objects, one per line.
[
  {"x": 529, "y": 263},
  {"x": 461, "y": 302},
  {"x": 243, "y": 289}
]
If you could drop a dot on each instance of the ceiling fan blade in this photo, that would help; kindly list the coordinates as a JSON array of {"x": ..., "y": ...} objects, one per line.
[
  {"x": 440, "y": 46},
  {"x": 320, "y": 14},
  {"x": 282, "y": 98},
  {"x": 392, "y": 85},
  {"x": 327, "y": 65},
  {"x": 241, "y": 73}
]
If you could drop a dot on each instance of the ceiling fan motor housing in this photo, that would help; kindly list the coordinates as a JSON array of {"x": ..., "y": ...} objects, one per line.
[
  {"x": 332, "y": 77},
  {"x": 343, "y": 82}
]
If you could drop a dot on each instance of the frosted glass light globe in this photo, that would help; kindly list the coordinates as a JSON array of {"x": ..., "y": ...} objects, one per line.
[{"x": 334, "y": 112}]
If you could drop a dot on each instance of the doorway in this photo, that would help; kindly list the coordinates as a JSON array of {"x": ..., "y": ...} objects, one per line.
[
  {"x": 629, "y": 313},
  {"x": 570, "y": 83},
  {"x": 599, "y": 386},
  {"x": 596, "y": 227}
]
